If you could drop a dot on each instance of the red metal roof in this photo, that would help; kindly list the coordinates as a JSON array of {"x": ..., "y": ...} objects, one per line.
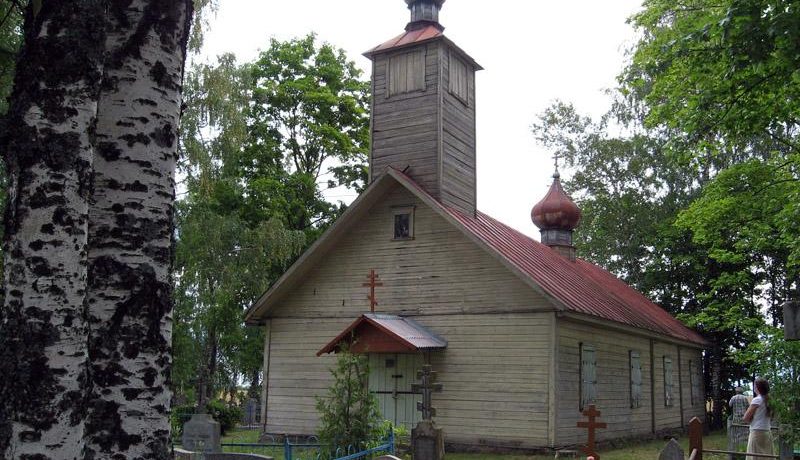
[
  {"x": 408, "y": 38},
  {"x": 580, "y": 286},
  {"x": 409, "y": 333}
]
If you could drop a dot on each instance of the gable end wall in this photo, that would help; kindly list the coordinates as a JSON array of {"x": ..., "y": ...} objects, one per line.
[{"x": 495, "y": 369}]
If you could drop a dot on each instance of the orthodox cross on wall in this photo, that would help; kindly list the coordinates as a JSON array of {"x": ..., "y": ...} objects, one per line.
[
  {"x": 372, "y": 284},
  {"x": 427, "y": 388},
  {"x": 592, "y": 413}
]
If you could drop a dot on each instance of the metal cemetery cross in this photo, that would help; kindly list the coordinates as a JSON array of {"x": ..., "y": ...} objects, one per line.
[
  {"x": 592, "y": 413},
  {"x": 373, "y": 278},
  {"x": 427, "y": 388}
]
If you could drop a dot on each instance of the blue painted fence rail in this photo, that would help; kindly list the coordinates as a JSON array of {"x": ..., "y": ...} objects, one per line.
[{"x": 289, "y": 449}]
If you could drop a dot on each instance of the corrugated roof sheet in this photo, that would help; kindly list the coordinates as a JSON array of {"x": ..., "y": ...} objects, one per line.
[
  {"x": 408, "y": 331},
  {"x": 579, "y": 286}
]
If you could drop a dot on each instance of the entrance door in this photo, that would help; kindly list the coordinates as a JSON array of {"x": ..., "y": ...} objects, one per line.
[{"x": 390, "y": 379}]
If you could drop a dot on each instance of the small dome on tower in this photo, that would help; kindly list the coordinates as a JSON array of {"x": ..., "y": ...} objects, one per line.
[{"x": 556, "y": 211}]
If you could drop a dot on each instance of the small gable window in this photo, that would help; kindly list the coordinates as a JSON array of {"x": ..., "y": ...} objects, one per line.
[
  {"x": 636, "y": 379},
  {"x": 403, "y": 223},
  {"x": 669, "y": 397},
  {"x": 588, "y": 376}
]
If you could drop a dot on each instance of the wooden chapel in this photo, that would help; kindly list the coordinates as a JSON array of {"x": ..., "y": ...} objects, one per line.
[{"x": 523, "y": 334}]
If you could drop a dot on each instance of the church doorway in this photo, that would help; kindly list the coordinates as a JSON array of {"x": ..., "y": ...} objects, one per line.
[{"x": 390, "y": 379}]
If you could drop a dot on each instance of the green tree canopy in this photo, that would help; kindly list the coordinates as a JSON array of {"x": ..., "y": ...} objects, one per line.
[
  {"x": 259, "y": 140},
  {"x": 310, "y": 117},
  {"x": 721, "y": 72}
]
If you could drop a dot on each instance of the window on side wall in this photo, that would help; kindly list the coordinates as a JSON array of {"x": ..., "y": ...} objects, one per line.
[
  {"x": 636, "y": 379},
  {"x": 403, "y": 223},
  {"x": 694, "y": 382},
  {"x": 669, "y": 389},
  {"x": 588, "y": 376}
]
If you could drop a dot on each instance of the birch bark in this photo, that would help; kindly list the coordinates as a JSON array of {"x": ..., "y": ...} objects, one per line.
[
  {"x": 130, "y": 230},
  {"x": 47, "y": 145}
]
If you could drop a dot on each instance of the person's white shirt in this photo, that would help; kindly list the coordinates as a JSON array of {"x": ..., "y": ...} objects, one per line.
[{"x": 760, "y": 419}]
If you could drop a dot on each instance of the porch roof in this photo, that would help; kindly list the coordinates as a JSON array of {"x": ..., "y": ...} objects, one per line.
[{"x": 379, "y": 333}]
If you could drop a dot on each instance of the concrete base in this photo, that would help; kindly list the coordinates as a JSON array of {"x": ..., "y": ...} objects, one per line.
[{"x": 427, "y": 441}]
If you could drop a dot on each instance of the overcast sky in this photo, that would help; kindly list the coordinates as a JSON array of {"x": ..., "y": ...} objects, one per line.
[{"x": 534, "y": 52}]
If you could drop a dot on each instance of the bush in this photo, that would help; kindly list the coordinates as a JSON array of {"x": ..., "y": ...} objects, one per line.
[
  {"x": 227, "y": 416},
  {"x": 179, "y": 416},
  {"x": 349, "y": 416}
]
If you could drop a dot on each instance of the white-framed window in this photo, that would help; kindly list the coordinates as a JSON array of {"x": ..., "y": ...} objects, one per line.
[
  {"x": 636, "y": 379},
  {"x": 403, "y": 223},
  {"x": 669, "y": 385},
  {"x": 588, "y": 375},
  {"x": 406, "y": 73},
  {"x": 459, "y": 78}
]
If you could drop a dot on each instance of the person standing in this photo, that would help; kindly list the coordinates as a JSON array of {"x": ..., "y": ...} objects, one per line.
[
  {"x": 737, "y": 431},
  {"x": 739, "y": 404},
  {"x": 758, "y": 415}
]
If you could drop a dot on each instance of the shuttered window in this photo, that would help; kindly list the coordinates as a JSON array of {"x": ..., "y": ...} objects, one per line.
[
  {"x": 459, "y": 78},
  {"x": 636, "y": 379},
  {"x": 668, "y": 383},
  {"x": 588, "y": 375},
  {"x": 694, "y": 382},
  {"x": 406, "y": 73}
]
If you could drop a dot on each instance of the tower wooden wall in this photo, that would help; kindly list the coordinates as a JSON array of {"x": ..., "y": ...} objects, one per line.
[{"x": 423, "y": 119}]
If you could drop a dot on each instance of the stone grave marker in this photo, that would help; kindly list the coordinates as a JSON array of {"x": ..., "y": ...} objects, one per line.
[
  {"x": 201, "y": 434},
  {"x": 251, "y": 411},
  {"x": 672, "y": 451}
]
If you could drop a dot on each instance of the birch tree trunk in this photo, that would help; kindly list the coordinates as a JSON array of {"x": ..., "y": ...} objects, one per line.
[
  {"x": 130, "y": 230},
  {"x": 47, "y": 145}
]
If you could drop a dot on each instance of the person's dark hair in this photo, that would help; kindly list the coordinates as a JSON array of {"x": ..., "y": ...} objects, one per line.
[{"x": 762, "y": 386}]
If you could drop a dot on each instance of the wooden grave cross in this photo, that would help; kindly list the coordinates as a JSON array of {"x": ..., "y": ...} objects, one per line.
[
  {"x": 427, "y": 388},
  {"x": 373, "y": 283},
  {"x": 592, "y": 413}
]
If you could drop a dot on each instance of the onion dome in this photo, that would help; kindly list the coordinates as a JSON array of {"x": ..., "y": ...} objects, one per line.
[{"x": 556, "y": 211}]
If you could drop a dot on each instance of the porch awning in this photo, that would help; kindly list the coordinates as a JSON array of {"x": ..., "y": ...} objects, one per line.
[{"x": 378, "y": 333}]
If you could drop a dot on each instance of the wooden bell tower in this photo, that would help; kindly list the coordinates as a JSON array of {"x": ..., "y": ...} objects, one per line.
[{"x": 423, "y": 109}]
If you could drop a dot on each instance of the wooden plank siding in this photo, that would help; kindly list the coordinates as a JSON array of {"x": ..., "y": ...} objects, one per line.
[
  {"x": 495, "y": 369},
  {"x": 458, "y": 138},
  {"x": 405, "y": 126},
  {"x": 613, "y": 382}
]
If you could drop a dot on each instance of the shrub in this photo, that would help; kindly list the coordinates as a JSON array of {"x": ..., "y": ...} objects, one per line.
[
  {"x": 179, "y": 416},
  {"x": 227, "y": 416},
  {"x": 349, "y": 414}
]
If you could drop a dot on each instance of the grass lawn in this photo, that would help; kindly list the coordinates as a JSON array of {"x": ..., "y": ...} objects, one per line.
[
  {"x": 648, "y": 450},
  {"x": 640, "y": 451}
]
